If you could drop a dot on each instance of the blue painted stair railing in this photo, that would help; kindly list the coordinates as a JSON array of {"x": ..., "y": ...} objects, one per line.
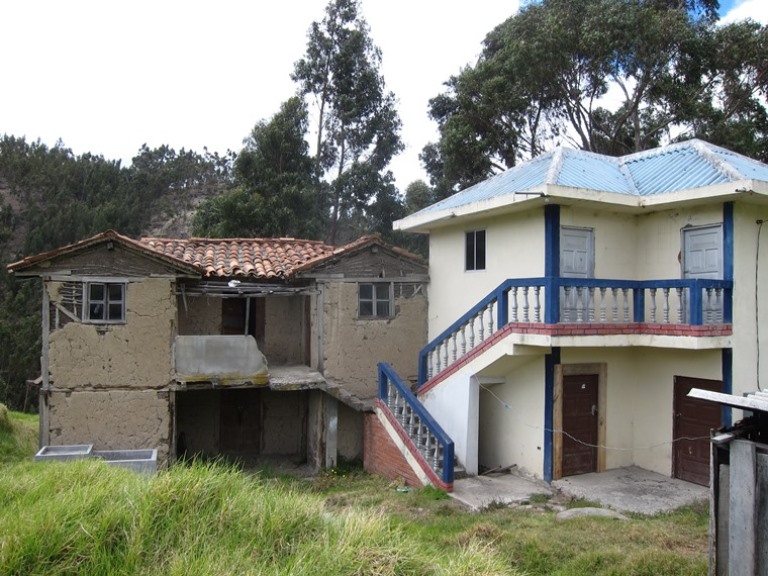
[{"x": 427, "y": 437}]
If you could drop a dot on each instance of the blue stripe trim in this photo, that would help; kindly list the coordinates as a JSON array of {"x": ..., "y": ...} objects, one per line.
[
  {"x": 552, "y": 240},
  {"x": 727, "y": 371},
  {"x": 551, "y": 261},
  {"x": 551, "y": 360},
  {"x": 728, "y": 255}
]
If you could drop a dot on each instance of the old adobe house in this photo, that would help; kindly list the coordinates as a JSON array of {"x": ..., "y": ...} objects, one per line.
[{"x": 247, "y": 348}]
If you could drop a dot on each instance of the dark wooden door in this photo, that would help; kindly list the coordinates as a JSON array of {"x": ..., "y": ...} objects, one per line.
[
  {"x": 693, "y": 420},
  {"x": 240, "y": 425},
  {"x": 580, "y": 398}
]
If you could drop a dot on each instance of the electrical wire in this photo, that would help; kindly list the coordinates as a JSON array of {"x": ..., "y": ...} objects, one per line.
[{"x": 603, "y": 446}]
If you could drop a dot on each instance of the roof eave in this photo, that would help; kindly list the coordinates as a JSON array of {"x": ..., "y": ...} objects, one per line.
[
  {"x": 513, "y": 202},
  {"x": 552, "y": 194},
  {"x": 30, "y": 266}
]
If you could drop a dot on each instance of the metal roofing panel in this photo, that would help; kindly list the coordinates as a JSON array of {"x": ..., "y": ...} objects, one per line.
[
  {"x": 749, "y": 168},
  {"x": 682, "y": 166},
  {"x": 671, "y": 169},
  {"x": 593, "y": 172},
  {"x": 517, "y": 179}
]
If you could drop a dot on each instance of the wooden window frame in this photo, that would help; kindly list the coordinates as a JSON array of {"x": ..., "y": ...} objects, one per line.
[
  {"x": 106, "y": 302},
  {"x": 375, "y": 301}
]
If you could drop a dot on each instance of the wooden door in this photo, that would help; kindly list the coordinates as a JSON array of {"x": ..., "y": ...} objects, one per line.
[
  {"x": 580, "y": 421},
  {"x": 693, "y": 421},
  {"x": 240, "y": 425}
]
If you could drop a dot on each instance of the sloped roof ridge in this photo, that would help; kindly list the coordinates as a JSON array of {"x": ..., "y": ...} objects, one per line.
[
  {"x": 104, "y": 236},
  {"x": 202, "y": 239},
  {"x": 556, "y": 165},
  {"x": 704, "y": 149}
]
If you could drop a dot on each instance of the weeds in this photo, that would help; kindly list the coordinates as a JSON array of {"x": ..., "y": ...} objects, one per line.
[{"x": 213, "y": 518}]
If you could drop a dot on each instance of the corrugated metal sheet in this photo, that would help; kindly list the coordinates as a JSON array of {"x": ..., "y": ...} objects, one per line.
[
  {"x": 750, "y": 169},
  {"x": 517, "y": 179},
  {"x": 591, "y": 171},
  {"x": 671, "y": 169},
  {"x": 683, "y": 166}
]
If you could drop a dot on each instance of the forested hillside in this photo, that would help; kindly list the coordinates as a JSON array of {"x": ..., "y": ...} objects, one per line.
[{"x": 50, "y": 197}]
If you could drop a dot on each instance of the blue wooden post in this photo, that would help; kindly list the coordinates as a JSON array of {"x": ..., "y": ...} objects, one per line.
[
  {"x": 728, "y": 251},
  {"x": 422, "y": 376},
  {"x": 696, "y": 311},
  {"x": 502, "y": 306},
  {"x": 382, "y": 383},
  {"x": 550, "y": 361},
  {"x": 727, "y": 375},
  {"x": 638, "y": 293},
  {"x": 552, "y": 263},
  {"x": 552, "y": 300}
]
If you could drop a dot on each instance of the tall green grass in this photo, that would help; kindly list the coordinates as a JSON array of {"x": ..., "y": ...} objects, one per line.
[
  {"x": 86, "y": 518},
  {"x": 209, "y": 519},
  {"x": 18, "y": 435}
]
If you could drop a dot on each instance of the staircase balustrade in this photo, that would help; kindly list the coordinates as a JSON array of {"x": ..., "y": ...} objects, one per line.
[
  {"x": 558, "y": 300},
  {"x": 426, "y": 435}
]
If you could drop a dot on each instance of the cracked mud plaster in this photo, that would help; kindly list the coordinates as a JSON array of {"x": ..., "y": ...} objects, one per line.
[
  {"x": 353, "y": 347},
  {"x": 111, "y": 420},
  {"x": 136, "y": 354}
]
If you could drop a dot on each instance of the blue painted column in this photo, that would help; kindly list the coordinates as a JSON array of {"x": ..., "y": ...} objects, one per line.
[
  {"x": 728, "y": 255},
  {"x": 550, "y": 361},
  {"x": 552, "y": 263},
  {"x": 727, "y": 353},
  {"x": 727, "y": 371}
]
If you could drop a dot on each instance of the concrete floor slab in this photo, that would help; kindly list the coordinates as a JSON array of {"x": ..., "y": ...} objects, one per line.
[
  {"x": 478, "y": 492},
  {"x": 630, "y": 489},
  {"x": 633, "y": 489}
]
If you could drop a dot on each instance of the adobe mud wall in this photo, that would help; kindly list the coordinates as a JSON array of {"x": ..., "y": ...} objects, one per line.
[
  {"x": 354, "y": 346},
  {"x": 349, "y": 443},
  {"x": 136, "y": 354},
  {"x": 111, "y": 419},
  {"x": 200, "y": 316},
  {"x": 284, "y": 330}
]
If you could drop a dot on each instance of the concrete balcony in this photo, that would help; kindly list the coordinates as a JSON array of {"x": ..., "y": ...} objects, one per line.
[{"x": 222, "y": 360}]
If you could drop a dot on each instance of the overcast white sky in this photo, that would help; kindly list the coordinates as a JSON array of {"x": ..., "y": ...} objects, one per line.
[{"x": 106, "y": 77}]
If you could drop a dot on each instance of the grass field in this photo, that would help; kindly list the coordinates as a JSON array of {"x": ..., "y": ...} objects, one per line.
[{"x": 214, "y": 519}]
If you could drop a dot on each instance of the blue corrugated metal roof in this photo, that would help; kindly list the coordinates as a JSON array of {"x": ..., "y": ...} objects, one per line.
[{"x": 687, "y": 165}]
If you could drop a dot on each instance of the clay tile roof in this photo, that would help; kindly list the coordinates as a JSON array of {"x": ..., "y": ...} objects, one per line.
[{"x": 265, "y": 258}]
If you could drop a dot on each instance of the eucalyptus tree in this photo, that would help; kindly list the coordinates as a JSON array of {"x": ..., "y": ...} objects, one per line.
[
  {"x": 356, "y": 127},
  {"x": 609, "y": 76},
  {"x": 274, "y": 192}
]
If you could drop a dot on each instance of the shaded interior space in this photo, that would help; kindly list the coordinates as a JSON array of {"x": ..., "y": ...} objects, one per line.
[{"x": 244, "y": 424}]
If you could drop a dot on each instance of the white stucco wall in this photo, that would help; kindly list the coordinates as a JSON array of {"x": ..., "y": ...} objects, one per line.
[
  {"x": 511, "y": 422},
  {"x": 615, "y": 238},
  {"x": 639, "y": 394},
  {"x": 747, "y": 310},
  {"x": 454, "y": 404},
  {"x": 514, "y": 249}
]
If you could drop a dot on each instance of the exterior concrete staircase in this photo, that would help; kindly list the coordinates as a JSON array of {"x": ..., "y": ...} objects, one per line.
[{"x": 426, "y": 444}]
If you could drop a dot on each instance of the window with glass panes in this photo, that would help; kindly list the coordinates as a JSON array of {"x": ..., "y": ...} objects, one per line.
[
  {"x": 375, "y": 300},
  {"x": 475, "y": 250},
  {"x": 106, "y": 302}
]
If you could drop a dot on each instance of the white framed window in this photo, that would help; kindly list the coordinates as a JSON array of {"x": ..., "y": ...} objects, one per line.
[
  {"x": 105, "y": 303},
  {"x": 474, "y": 252},
  {"x": 375, "y": 300}
]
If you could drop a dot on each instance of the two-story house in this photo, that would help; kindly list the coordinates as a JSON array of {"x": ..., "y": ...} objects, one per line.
[
  {"x": 248, "y": 348},
  {"x": 575, "y": 300}
]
